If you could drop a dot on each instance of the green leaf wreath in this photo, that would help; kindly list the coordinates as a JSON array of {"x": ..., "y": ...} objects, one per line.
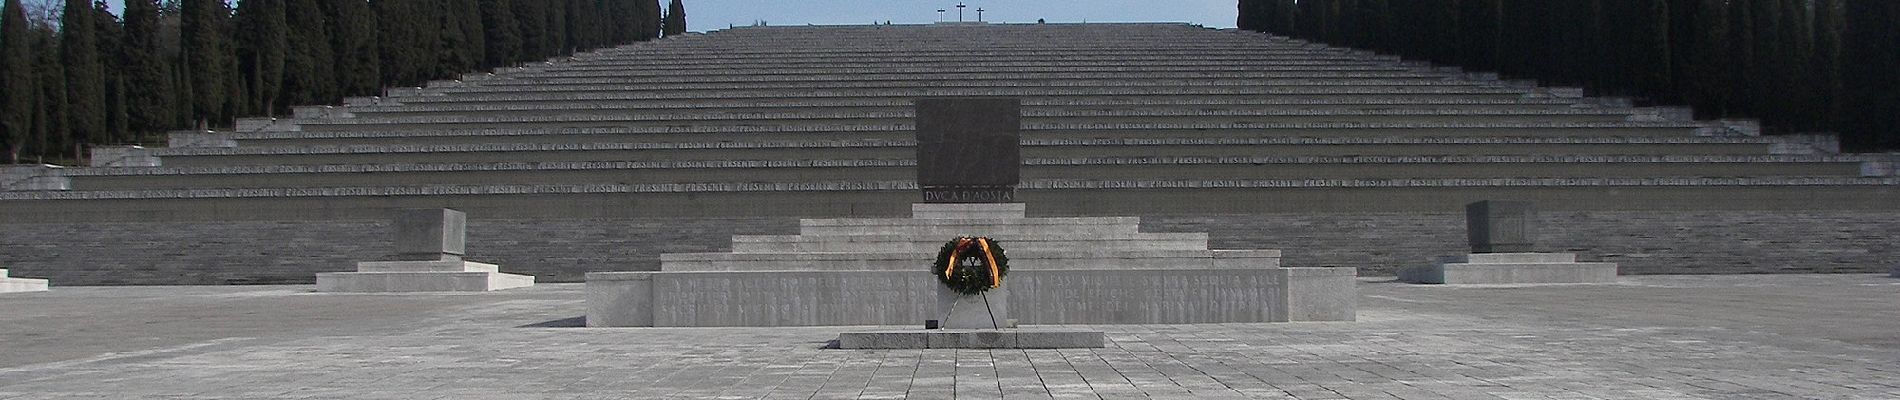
[{"x": 972, "y": 273}]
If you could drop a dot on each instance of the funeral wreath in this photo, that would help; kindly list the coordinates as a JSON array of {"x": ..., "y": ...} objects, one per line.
[{"x": 971, "y": 265}]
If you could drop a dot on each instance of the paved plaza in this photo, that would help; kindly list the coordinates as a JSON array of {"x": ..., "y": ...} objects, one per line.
[{"x": 1646, "y": 337}]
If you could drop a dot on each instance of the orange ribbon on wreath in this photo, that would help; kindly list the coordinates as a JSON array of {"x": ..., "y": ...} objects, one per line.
[{"x": 963, "y": 243}]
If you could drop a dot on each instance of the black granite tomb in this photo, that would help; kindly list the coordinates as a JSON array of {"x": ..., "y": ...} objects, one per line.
[
  {"x": 969, "y": 149},
  {"x": 1500, "y": 226}
]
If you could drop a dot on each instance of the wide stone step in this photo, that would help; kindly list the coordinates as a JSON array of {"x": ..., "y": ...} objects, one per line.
[
  {"x": 1052, "y": 103},
  {"x": 804, "y": 199},
  {"x": 814, "y": 122},
  {"x": 452, "y": 135},
  {"x": 629, "y": 108},
  {"x": 236, "y": 177},
  {"x": 940, "y": 70},
  {"x": 1096, "y": 258},
  {"x": 902, "y": 149},
  {"x": 913, "y": 244},
  {"x": 1383, "y": 84},
  {"x": 950, "y": 228},
  {"x": 537, "y": 79},
  {"x": 1453, "y": 93}
]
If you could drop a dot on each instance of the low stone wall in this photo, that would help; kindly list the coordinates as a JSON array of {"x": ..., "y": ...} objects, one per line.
[
  {"x": 562, "y": 250},
  {"x": 1036, "y": 297}
]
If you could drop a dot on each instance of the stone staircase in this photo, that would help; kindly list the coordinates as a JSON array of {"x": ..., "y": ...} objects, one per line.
[{"x": 1151, "y": 120}]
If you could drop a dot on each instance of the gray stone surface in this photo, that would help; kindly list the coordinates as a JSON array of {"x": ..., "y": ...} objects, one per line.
[
  {"x": 971, "y": 339},
  {"x": 809, "y": 298},
  {"x": 1511, "y": 268},
  {"x": 1501, "y": 226},
  {"x": 562, "y": 250},
  {"x": 1721, "y": 337},
  {"x": 989, "y": 310}
]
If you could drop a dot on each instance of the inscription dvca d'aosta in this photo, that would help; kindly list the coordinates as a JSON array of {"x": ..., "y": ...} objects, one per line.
[{"x": 969, "y": 149}]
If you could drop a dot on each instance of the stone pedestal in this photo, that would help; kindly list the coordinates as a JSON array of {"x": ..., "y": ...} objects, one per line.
[
  {"x": 1073, "y": 270},
  {"x": 9, "y": 284},
  {"x": 1502, "y": 248},
  {"x": 973, "y": 339},
  {"x": 989, "y": 310},
  {"x": 429, "y": 245},
  {"x": 1511, "y": 268}
]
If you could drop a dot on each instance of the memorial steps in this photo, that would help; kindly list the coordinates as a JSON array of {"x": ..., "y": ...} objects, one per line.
[{"x": 816, "y": 122}]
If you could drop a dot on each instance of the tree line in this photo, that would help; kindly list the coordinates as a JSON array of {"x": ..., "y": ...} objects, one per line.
[
  {"x": 1797, "y": 65},
  {"x": 75, "y": 74}
]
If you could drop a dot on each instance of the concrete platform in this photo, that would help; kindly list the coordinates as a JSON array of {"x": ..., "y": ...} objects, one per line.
[
  {"x": 971, "y": 339},
  {"x": 421, "y": 276},
  {"x": 1511, "y": 268},
  {"x": 1824, "y": 336},
  {"x": 18, "y": 285}
]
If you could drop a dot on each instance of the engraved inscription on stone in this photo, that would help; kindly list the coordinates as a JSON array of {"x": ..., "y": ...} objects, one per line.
[
  {"x": 969, "y": 149},
  {"x": 1500, "y": 226}
]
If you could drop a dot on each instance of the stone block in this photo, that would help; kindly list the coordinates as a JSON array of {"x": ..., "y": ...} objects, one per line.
[
  {"x": 619, "y": 299},
  {"x": 29, "y": 177},
  {"x": 1511, "y": 268},
  {"x": 408, "y": 282},
  {"x": 1319, "y": 294},
  {"x": 1495, "y": 226},
  {"x": 123, "y": 156},
  {"x": 425, "y": 266},
  {"x": 431, "y": 234},
  {"x": 10, "y": 284},
  {"x": 972, "y": 339},
  {"x": 1895, "y": 272}
]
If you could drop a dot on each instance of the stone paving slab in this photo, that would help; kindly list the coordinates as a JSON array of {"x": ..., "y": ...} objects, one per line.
[{"x": 1645, "y": 337}]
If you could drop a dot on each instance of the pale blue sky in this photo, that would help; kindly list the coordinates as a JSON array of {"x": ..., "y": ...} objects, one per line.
[{"x": 705, "y": 15}]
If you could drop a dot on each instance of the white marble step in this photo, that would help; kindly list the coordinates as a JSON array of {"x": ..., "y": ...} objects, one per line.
[
  {"x": 1104, "y": 258},
  {"x": 915, "y": 244},
  {"x": 1079, "y": 227}
]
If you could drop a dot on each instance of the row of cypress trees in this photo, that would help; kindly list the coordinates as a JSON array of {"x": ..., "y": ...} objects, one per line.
[
  {"x": 1797, "y": 65},
  {"x": 87, "y": 76}
]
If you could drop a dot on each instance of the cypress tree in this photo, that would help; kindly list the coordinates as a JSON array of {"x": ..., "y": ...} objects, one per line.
[
  {"x": 556, "y": 41},
  {"x": 1525, "y": 38},
  {"x": 148, "y": 74},
  {"x": 675, "y": 18},
  {"x": 16, "y": 77},
  {"x": 1252, "y": 15},
  {"x": 1711, "y": 69},
  {"x": 580, "y": 28},
  {"x": 1873, "y": 43},
  {"x": 1478, "y": 32},
  {"x": 530, "y": 17},
  {"x": 1647, "y": 53},
  {"x": 85, "y": 76},
  {"x": 49, "y": 114},
  {"x": 207, "y": 58},
  {"x": 1829, "y": 26},
  {"x": 649, "y": 14},
  {"x": 503, "y": 34},
  {"x": 468, "y": 15},
  {"x": 309, "y": 62},
  {"x": 352, "y": 30},
  {"x": 409, "y": 31},
  {"x": 111, "y": 39},
  {"x": 262, "y": 48}
]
